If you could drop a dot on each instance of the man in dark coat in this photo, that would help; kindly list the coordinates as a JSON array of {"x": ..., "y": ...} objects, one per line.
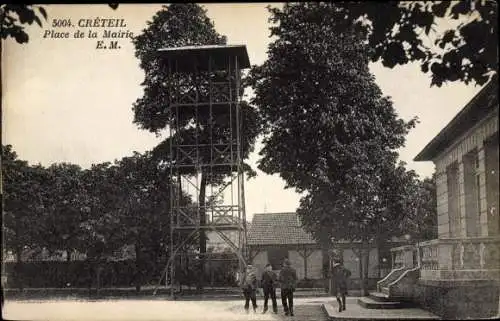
[
  {"x": 249, "y": 287},
  {"x": 269, "y": 283},
  {"x": 339, "y": 276},
  {"x": 288, "y": 281}
]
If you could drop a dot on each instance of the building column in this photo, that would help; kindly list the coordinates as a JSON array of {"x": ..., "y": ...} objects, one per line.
[
  {"x": 461, "y": 195},
  {"x": 443, "y": 219},
  {"x": 474, "y": 193},
  {"x": 483, "y": 211},
  {"x": 490, "y": 221},
  {"x": 453, "y": 200}
]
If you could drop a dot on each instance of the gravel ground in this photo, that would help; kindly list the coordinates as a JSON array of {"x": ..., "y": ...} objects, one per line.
[{"x": 67, "y": 310}]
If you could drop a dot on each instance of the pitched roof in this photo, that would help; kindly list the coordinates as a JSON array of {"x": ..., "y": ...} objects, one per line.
[
  {"x": 480, "y": 106},
  {"x": 277, "y": 229}
]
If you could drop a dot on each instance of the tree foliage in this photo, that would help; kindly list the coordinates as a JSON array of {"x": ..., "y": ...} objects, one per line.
[
  {"x": 66, "y": 205},
  {"x": 94, "y": 211},
  {"x": 420, "y": 221},
  {"x": 144, "y": 212},
  {"x": 14, "y": 17},
  {"x": 415, "y": 31},
  {"x": 23, "y": 202},
  {"x": 319, "y": 103}
]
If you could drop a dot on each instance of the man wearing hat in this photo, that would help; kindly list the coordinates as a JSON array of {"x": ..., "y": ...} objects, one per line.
[
  {"x": 249, "y": 287},
  {"x": 339, "y": 276},
  {"x": 288, "y": 281},
  {"x": 269, "y": 283}
]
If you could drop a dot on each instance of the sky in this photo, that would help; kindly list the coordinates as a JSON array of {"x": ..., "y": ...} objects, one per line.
[{"x": 66, "y": 101}]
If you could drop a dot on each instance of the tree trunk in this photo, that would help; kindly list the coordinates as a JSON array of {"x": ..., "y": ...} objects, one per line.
[
  {"x": 361, "y": 274},
  {"x": 364, "y": 260},
  {"x": 203, "y": 222},
  {"x": 366, "y": 270}
]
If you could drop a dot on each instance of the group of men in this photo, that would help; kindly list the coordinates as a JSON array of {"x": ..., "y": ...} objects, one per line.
[{"x": 287, "y": 282}]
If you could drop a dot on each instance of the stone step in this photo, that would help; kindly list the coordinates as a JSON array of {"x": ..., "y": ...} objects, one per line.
[
  {"x": 379, "y": 296},
  {"x": 385, "y": 290},
  {"x": 384, "y": 297},
  {"x": 357, "y": 312},
  {"x": 369, "y": 303}
]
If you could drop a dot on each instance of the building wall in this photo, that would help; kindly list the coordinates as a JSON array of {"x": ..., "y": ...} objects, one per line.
[
  {"x": 259, "y": 262},
  {"x": 351, "y": 262},
  {"x": 467, "y": 206},
  {"x": 452, "y": 301},
  {"x": 461, "y": 218},
  {"x": 315, "y": 266},
  {"x": 314, "y": 263},
  {"x": 297, "y": 262}
]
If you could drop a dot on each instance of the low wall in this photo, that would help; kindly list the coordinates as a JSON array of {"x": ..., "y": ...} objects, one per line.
[{"x": 458, "y": 299}]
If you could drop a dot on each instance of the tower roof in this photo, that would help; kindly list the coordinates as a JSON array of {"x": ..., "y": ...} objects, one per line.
[{"x": 187, "y": 58}]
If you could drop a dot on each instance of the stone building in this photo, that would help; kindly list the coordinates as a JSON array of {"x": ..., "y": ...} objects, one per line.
[{"x": 457, "y": 275}]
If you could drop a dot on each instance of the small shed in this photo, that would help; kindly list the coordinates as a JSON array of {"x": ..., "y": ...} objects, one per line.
[{"x": 276, "y": 236}]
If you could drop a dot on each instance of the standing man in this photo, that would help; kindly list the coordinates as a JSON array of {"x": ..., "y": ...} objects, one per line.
[
  {"x": 339, "y": 276},
  {"x": 288, "y": 281},
  {"x": 269, "y": 283},
  {"x": 249, "y": 286}
]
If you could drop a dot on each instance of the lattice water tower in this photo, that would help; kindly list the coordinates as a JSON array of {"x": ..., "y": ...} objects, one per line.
[{"x": 204, "y": 94}]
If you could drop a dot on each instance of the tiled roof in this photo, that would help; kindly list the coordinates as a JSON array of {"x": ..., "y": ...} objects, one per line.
[{"x": 277, "y": 229}]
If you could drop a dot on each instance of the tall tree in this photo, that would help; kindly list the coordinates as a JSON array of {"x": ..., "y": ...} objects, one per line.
[
  {"x": 174, "y": 26},
  {"x": 145, "y": 212},
  {"x": 100, "y": 232},
  {"x": 367, "y": 210},
  {"x": 421, "y": 219},
  {"x": 23, "y": 205},
  {"x": 331, "y": 133},
  {"x": 66, "y": 204}
]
